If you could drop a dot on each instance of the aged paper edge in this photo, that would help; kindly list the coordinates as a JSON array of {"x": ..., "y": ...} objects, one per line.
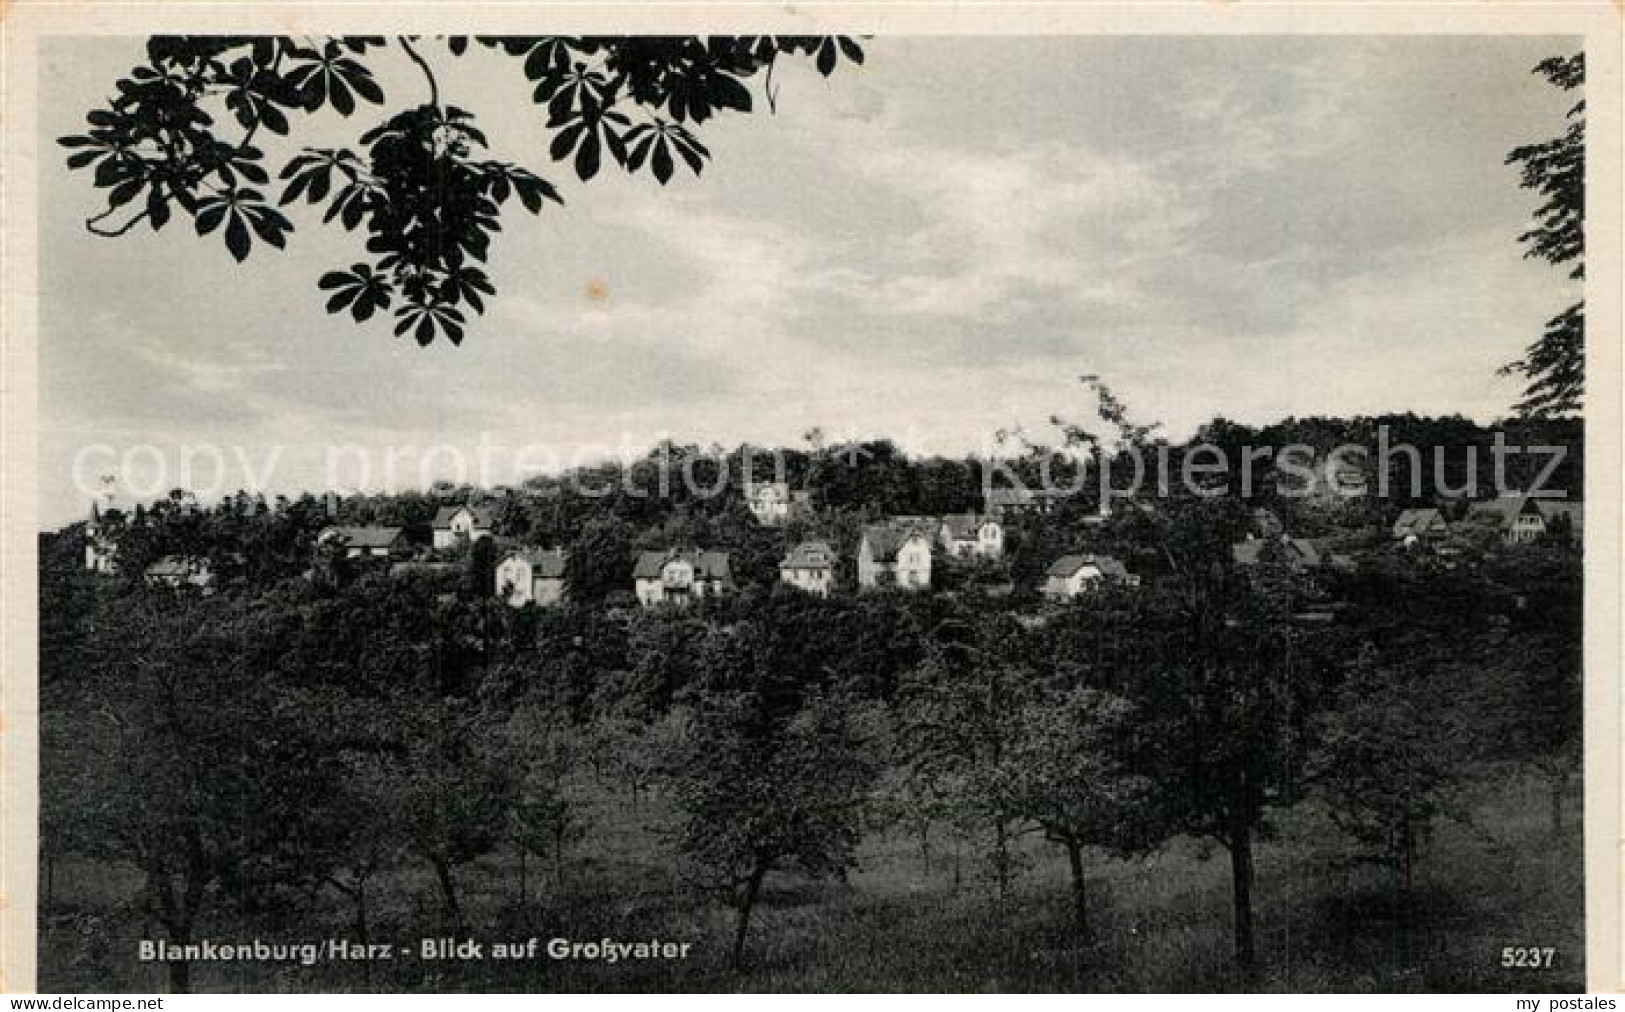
[{"x": 22, "y": 23}]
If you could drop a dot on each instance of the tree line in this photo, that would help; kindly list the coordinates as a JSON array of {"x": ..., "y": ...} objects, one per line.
[{"x": 279, "y": 741}]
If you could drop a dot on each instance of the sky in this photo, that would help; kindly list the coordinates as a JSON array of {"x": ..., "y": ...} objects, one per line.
[{"x": 930, "y": 247}]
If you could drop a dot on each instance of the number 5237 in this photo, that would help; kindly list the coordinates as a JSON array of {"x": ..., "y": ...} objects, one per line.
[{"x": 1528, "y": 957}]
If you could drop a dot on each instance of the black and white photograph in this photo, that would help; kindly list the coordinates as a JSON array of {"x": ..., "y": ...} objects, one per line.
[{"x": 873, "y": 510}]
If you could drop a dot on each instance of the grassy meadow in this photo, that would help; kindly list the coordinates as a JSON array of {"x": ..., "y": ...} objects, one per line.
[{"x": 902, "y": 923}]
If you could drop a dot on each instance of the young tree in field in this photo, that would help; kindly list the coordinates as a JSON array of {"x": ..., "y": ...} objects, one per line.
[
  {"x": 761, "y": 792},
  {"x": 1390, "y": 758},
  {"x": 459, "y": 785},
  {"x": 1227, "y": 693},
  {"x": 920, "y": 803},
  {"x": 184, "y": 753},
  {"x": 180, "y": 139},
  {"x": 1533, "y": 668},
  {"x": 1549, "y": 686},
  {"x": 1075, "y": 768},
  {"x": 545, "y": 824},
  {"x": 353, "y": 835},
  {"x": 1554, "y": 364},
  {"x": 545, "y": 820},
  {"x": 623, "y": 748},
  {"x": 958, "y": 716}
]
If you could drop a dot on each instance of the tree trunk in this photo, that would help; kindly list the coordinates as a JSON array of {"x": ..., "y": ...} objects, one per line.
[
  {"x": 361, "y": 927},
  {"x": 1408, "y": 856},
  {"x": 1559, "y": 786},
  {"x": 448, "y": 892},
  {"x": 180, "y": 977},
  {"x": 1080, "y": 910},
  {"x": 178, "y": 914},
  {"x": 522, "y": 883},
  {"x": 176, "y": 918},
  {"x": 49, "y": 900},
  {"x": 752, "y": 887},
  {"x": 1001, "y": 858},
  {"x": 361, "y": 911},
  {"x": 1241, "y": 881}
]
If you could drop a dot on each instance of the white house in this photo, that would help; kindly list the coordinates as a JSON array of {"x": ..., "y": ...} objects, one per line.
[
  {"x": 455, "y": 525},
  {"x": 365, "y": 542},
  {"x": 679, "y": 575},
  {"x": 966, "y": 534},
  {"x": 531, "y": 575},
  {"x": 773, "y": 502},
  {"x": 769, "y": 501},
  {"x": 1071, "y": 575},
  {"x": 101, "y": 551},
  {"x": 811, "y": 567},
  {"x": 178, "y": 571},
  {"x": 895, "y": 554},
  {"x": 1334, "y": 478},
  {"x": 1521, "y": 518}
]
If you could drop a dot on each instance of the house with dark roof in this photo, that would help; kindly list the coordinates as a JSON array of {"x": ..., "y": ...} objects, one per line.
[
  {"x": 1014, "y": 503},
  {"x": 679, "y": 575},
  {"x": 365, "y": 542},
  {"x": 964, "y": 535},
  {"x": 531, "y": 576},
  {"x": 456, "y": 525},
  {"x": 810, "y": 566},
  {"x": 1072, "y": 575},
  {"x": 1297, "y": 554},
  {"x": 1521, "y": 518},
  {"x": 896, "y": 554},
  {"x": 1415, "y": 525}
]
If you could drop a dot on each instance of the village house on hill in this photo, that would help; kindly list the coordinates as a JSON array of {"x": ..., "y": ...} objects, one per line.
[
  {"x": 810, "y": 566},
  {"x": 1266, "y": 523},
  {"x": 177, "y": 571},
  {"x": 1297, "y": 554},
  {"x": 967, "y": 534},
  {"x": 773, "y": 502},
  {"x": 1072, "y": 575},
  {"x": 1006, "y": 504},
  {"x": 455, "y": 525},
  {"x": 1521, "y": 518},
  {"x": 1332, "y": 479},
  {"x": 101, "y": 551},
  {"x": 1421, "y": 524},
  {"x": 896, "y": 554},
  {"x": 531, "y": 576},
  {"x": 365, "y": 542},
  {"x": 680, "y": 575}
]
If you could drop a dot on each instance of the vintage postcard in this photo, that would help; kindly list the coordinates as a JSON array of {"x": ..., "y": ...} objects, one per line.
[{"x": 826, "y": 498}]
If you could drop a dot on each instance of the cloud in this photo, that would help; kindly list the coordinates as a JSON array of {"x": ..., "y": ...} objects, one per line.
[{"x": 930, "y": 246}]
